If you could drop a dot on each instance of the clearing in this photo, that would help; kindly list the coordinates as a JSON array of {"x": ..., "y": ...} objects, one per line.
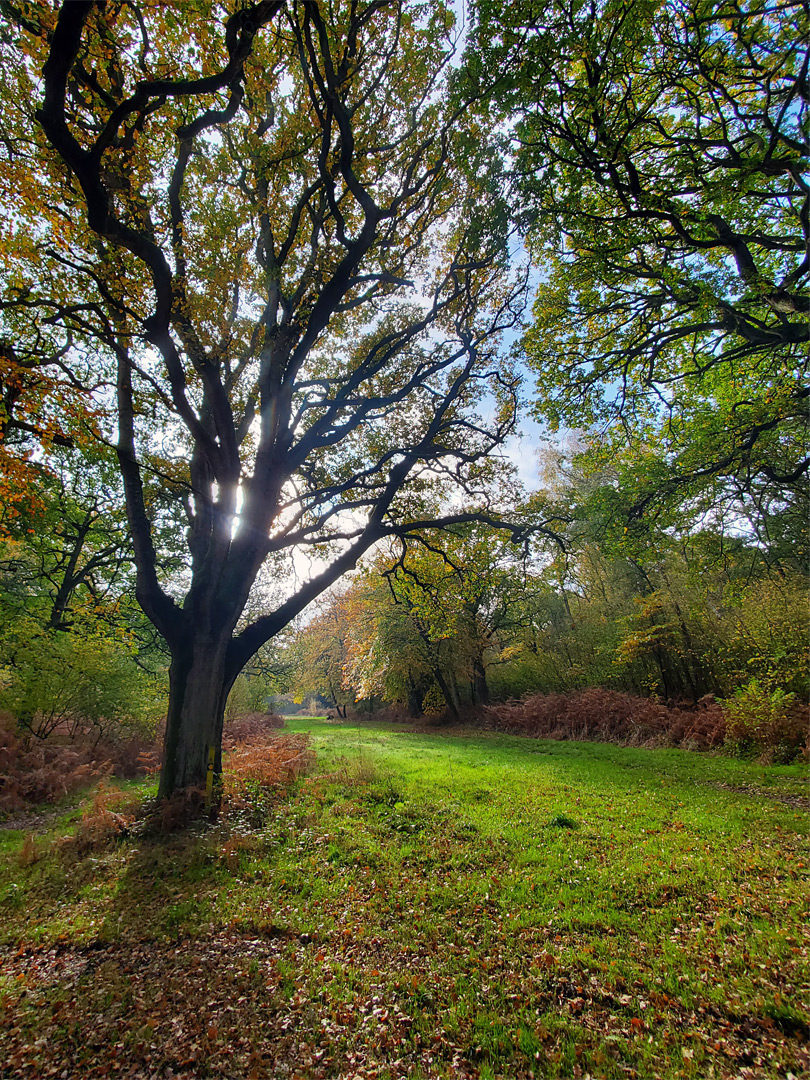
[{"x": 428, "y": 904}]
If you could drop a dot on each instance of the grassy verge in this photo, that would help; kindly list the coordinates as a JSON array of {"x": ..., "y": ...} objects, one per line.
[{"x": 430, "y": 905}]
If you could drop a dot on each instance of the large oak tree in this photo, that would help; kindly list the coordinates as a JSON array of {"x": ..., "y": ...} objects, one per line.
[
  {"x": 278, "y": 222},
  {"x": 660, "y": 157}
]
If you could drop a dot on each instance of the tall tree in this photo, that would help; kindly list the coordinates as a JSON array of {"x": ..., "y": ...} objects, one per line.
[
  {"x": 279, "y": 222},
  {"x": 660, "y": 151}
]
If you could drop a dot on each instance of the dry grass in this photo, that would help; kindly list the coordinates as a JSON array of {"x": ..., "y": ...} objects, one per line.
[
  {"x": 34, "y": 771},
  {"x": 252, "y": 728},
  {"x": 107, "y": 819},
  {"x": 771, "y": 728},
  {"x": 29, "y": 852}
]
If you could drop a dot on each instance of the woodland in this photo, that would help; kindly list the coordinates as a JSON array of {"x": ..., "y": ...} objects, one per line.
[
  {"x": 404, "y": 539},
  {"x": 284, "y": 280}
]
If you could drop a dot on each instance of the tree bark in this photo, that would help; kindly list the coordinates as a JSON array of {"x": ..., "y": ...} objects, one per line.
[{"x": 198, "y": 691}]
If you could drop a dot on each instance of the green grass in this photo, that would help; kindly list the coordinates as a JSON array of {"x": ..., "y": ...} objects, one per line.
[{"x": 432, "y": 905}]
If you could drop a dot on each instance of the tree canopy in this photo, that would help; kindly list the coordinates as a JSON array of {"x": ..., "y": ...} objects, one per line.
[{"x": 660, "y": 155}]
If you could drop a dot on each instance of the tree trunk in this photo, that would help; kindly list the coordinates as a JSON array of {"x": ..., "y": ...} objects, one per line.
[
  {"x": 449, "y": 692},
  {"x": 414, "y": 699},
  {"x": 198, "y": 690},
  {"x": 480, "y": 685}
]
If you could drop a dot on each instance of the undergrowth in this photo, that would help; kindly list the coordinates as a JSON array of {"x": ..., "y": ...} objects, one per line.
[
  {"x": 36, "y": 771},
  {"x": 755, "y": 723}
]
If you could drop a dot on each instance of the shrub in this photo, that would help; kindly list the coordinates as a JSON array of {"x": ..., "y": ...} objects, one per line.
[
  {"x": 37, "y": 771},
  {"x": 610, "y": 716},
  {"x": 769, "y": 724},
  {"x": 82, "y": 685},
  {"x": 104, "y": 822},
  {"x": 767, "y": 635},
  {"x": 257, "y": 769},
  {"x": 252, "y": 727},
  {"x": 258, "y": 763},
  {"x": 42, "y": 772}
]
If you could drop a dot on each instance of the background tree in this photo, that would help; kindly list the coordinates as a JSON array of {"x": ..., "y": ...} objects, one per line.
[
  {"x": 78, "y": 657},
  {"x": 389, "y": 654},
  {"x": 668, "y": 605},
  {"x": 428, "y": 620},
  {"x": 463, "y": 592},
  {"x": 320, "y": 654},
  {"x": 281, "y": 228},
  {"x": 396, "y": 650},
  {"x": 266, "y": 676},
  {"x": 661, "y": 608},
  {"x": 77, "y": 542}
]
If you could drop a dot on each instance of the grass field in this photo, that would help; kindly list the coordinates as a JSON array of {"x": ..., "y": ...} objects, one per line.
[{"x": 429, "y": 905}]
